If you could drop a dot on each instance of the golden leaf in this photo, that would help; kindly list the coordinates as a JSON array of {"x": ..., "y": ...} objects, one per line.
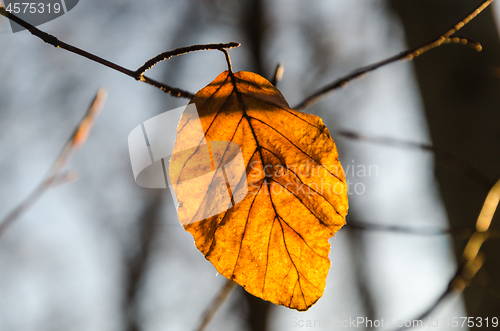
[{"x": 273, "y": 238}]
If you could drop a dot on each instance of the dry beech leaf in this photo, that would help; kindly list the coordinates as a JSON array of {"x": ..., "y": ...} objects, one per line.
[{"x": 274, "y": 240}]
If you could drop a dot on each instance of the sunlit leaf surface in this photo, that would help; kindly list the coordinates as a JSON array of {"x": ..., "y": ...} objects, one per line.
[{"x": 274, "y": 242}]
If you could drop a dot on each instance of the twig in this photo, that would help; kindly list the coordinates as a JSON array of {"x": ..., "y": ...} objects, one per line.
[
  {"x": 278, "y": 74},
  {"x": 472, "y": 258},
  {"x": 181, "y": 51},
  {"x": 460, "y": 166},
  {"x": 445, "y": 38},
  {"x": 446, "y": 294},
  {"x": 55, "y": 176},
  {"x": 216, "y": 303},
  {"x": 138, "y": 74},
  {"x": 465, "y": 232}
]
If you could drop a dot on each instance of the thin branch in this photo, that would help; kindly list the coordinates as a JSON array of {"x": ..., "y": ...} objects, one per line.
[
  {"x": 215, "y": 305},
  {"x": 406, "y": 55},
  {"x": 138, "y": 74},
  {"x": 181, "y": 51},
  {"x": 465, "y": 232},
  {"x": 278, "y": 74},
  {"x": 446, "y": 294},
  {"x": 458, "y": 283},
  {"x": 55, "y": 175},
  {"x": 460, "y": 166},
  {"x": 464, "y": 41},
  {"x": 473, "y": 258},
  {"x": 489, "y": 208}
]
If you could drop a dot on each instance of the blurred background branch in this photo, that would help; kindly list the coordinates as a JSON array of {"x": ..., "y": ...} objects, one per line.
[
  {"x": 461, "y": 108},
  {"x": 472, "y": 259},
  {"x": 55, "y": 175},
  {"x": 449, "y": 161},
  {"x": 410, "y": 54},
  {"x": 137, "y": 264}
]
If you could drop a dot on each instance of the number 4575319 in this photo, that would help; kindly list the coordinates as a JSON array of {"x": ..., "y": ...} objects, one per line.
[{"x": 33, "y": 8}]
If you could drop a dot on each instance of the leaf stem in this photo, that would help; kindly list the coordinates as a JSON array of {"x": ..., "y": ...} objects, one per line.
[{"x": 228, "y": 60}]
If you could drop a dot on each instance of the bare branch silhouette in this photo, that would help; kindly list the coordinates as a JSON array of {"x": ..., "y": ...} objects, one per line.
[
  {"x": 181, "y": 51},
  {"x": 445, "y": 38},
  {"x": 421, "y": 231},
  {"x": 138, "y": 74},
  {"x": 460, "y": 166},
  {"x": 472, "y": 258},
  {"x": 55, "y": 175},
  {"x": 216, "y": 303}
]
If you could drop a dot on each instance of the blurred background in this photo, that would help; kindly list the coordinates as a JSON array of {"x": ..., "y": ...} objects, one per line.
[{"x": 105, "y": 254}]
